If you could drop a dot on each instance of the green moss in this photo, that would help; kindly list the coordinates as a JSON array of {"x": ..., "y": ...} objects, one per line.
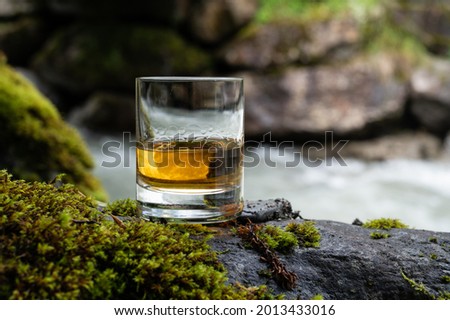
[
  {"x": 378, "y": 21},
  {"x": 423, "y": 292},
  {"x": 35, "y": 141},
  {"x": 55, "y": 244},
  {"x": 419, "y": 288},
  {"x": 307, "y": 234},
  {"x": 445, "y": 279},
  {"x": 317, "y": 297},
  {"x": 379, "y": 235},
  {"x": 388, "y": 37},
  {"x": 299, "y": 10},
  {"x": 122, "y": 207},
  {"x": 433, "y": 256},
  {"x": 278, "y": 239},
  {"x": 385, "y": 224},
  {"x": 432, "y": 239}
]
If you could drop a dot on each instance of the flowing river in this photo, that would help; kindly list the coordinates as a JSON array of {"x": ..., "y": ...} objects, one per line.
[{"x": 415, "y": 191}]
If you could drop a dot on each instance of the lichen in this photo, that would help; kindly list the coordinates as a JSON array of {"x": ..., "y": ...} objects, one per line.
[
  {"x": 35, "y": 141},
  {"x": 384, "y": 224},
  {"x": 307, "y": 234},
  {"x": 55, "y": 244},
  {"x": 379, "y": 235}
]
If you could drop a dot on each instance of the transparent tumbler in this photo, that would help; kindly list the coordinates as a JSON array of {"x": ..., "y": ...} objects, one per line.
[{"x": 189, "y": 149}]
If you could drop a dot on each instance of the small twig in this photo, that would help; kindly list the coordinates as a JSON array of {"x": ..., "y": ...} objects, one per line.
[
  {"x": 284, "y": 278},
  {"x": 118, "y": 221}
]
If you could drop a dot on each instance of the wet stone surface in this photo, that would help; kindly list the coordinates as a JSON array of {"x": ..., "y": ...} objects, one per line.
[{"x": 349, "y": 264}]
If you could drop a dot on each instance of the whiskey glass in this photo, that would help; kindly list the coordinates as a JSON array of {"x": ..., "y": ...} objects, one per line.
[{"x": 189, "y": 151}]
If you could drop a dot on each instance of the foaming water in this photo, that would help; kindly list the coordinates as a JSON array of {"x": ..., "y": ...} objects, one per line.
[{"x": 415, "y": 191}]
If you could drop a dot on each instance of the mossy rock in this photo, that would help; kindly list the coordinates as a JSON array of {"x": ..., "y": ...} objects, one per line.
[
  {"x": 55, "y": 244},
  {"x": 86, "y": 57},
  {"x": 35, "y": 141}
]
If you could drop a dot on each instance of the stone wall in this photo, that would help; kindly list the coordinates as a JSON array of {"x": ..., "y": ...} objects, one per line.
[{"x": 378, "y": 74}]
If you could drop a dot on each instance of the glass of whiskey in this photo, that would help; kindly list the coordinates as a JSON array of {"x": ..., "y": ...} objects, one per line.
[{"x": 189, "y": 152}]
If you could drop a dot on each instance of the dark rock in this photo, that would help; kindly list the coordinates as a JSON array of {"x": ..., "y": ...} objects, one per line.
[
  {"x": 168, "y": 11},
  {"x": 411, "y": 145},
  {"x": 357, "y": 222},
  {"x": 350, "y": 99},
  {"x": 267, "y": 210},
  {"x": 87, "y": 58},
  {"x": 212, "y": 21},
  {"x": 21, "y": 38},
  {"x": 285, "y": 42},
  {"x": 430, "y": 87},
  {"x": 107, "y": 112},
  {"x": 349, "y": 264}
]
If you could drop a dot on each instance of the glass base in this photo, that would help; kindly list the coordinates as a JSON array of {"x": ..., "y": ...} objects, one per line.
[{"x": 189, "y": 205}]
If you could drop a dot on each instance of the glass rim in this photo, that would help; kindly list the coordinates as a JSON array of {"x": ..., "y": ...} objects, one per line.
[{"x": 188, "y": 79}]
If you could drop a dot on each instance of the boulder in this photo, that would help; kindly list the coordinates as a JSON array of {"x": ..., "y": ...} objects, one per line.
[
  {"x": 430, "y": 86},
  {"x": 212, "y": 21},
  {"x": 350, "y": 99},
  {"x": 286, "y": 42},
  {"x": 409, "y": 145},
  {"x": 106, "y": 112},
  {"x": 35, "y": 141},
  {"x": 380, "y": 259},
  {"x": 86, "y": 58},
  {"x": 351, "y": 262}
]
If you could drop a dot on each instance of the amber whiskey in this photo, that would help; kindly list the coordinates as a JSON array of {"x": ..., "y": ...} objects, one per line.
[{"x": 197, "y": 164}]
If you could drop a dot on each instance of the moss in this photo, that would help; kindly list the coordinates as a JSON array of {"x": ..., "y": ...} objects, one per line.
[
  {"x": 445, "y": 279},
  {"x": 35, "y": 141},
  {"x": 419, "y": 288},
  {"x": 307, "y": 234},
  {"x": 278, "y": 239},
  {"x": 379, "y": 235},
  {"x": 384, "y": 224},
  {"x": 122, "y": 207},
  {"x": 432, "y": 240},
  {"x": 433, "y": 256},
  {"x": 378, "y": 24},
  {"x": 317, "y": 297},
  {"x": 423, "y": 292},
  {"x": 55, "y": 244},
  {"x": 299, "y": 10},
  {"x": 250, "y": 235},
  {"x": 388, "y": 37}
]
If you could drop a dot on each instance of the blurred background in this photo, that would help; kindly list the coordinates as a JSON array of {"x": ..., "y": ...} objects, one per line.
[{"x": 375, "y": 73}]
